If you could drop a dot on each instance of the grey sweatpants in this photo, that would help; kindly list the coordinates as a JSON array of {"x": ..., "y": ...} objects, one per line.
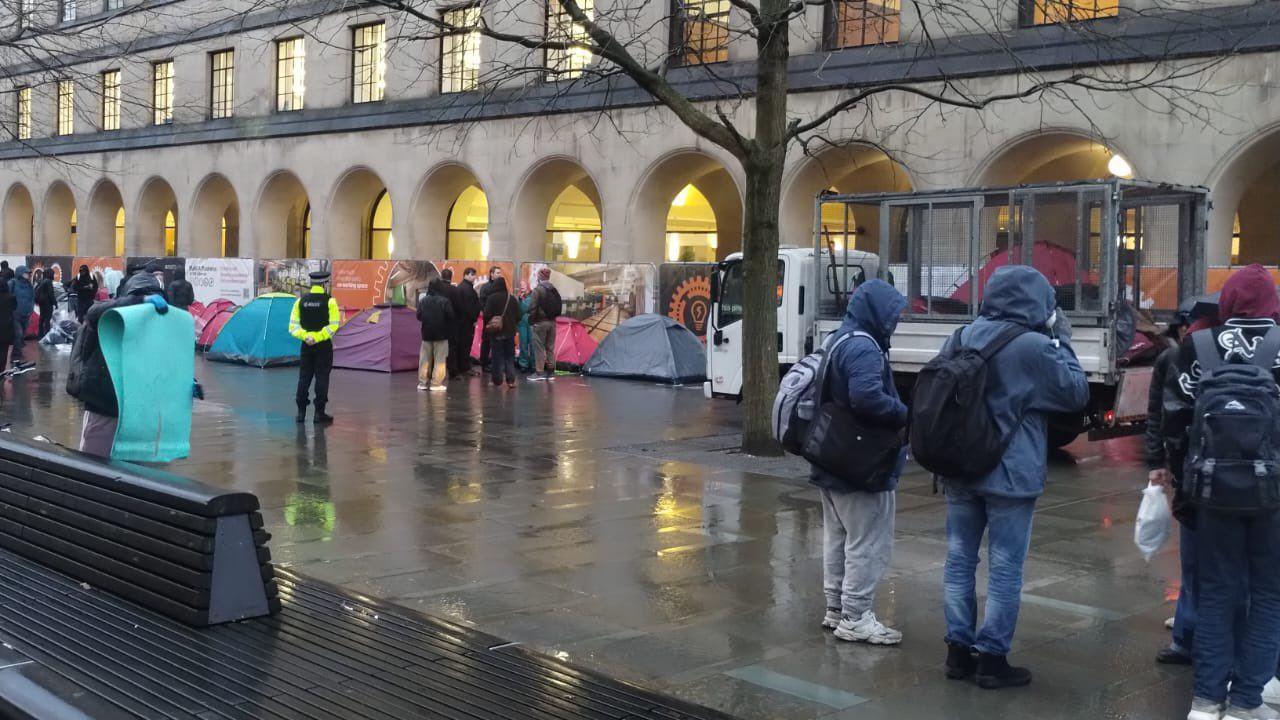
[
  {"x": 97, "y": 434},
  {"x": 857, "y": 547}
]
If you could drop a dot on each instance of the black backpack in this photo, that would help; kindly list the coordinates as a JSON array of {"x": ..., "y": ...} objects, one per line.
[
  {"x": 953, "y": 434},
  {"x": 549, "y": 302},
  {"x": 1233, "y": 448}
]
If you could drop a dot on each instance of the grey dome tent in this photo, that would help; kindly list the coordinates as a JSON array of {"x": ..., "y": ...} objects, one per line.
[{"x": 650, "y": 347}]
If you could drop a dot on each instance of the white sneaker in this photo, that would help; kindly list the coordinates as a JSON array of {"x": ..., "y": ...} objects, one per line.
[
  {"x": 867, "y": 629},
  {"x": 1271, "y": 692},
  {"x": 1202, "y": 709},
  {"x": 831, "y": 620},
  {"x": 436, "y": 388},
  {"x": 1262, "y": 712},
  {"x": 1168, "y": 624},
  {"x": 421, "y": 386}
]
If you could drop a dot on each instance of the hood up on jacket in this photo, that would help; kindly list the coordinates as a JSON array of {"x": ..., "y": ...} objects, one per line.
[
  {"x": 875, "y": 308},
  {"x": 1250, "y": 293},
  {"x": 140, "y": 284},
  {"x": 21, "y": 272},
  {"x": 1019, "y": 294}
]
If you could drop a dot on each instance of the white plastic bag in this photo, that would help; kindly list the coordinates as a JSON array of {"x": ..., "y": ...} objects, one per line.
[{"x": 1155, "y": 520}]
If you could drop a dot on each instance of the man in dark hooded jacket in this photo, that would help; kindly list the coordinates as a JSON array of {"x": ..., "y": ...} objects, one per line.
[
  {"x": 858, "y": 526},
  {"x": 25, "y": 295},
  {"x": 1035, "y": 375},
  {"x": 89, "y": 380},
  {"x": 1236, "y": 555},
  {"x": 181, "y": 294}
]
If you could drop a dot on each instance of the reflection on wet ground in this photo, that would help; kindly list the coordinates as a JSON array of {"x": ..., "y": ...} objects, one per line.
[{"x": 603, "y": 522}]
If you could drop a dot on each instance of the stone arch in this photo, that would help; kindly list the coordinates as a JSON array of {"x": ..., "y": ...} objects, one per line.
[
  {"x": 350, "y": 212},
  {"x": 281, "y": 220},
  {"x": 537, "y": 191},
  {"x": 19, "y": 220},
  {"x": 1246, "y": 187},
  {"x": 1058, "y": 155},
  {"x": 433, "y": 203},
  {"x": 59, "y": 220},
  {"x": 849, "y": 169},
  {"x": 214, "y": 226},
  {"x": 663, "y": 183},
  {"x": 157, "y": 206},
  {"x": 98, "y": 234}
]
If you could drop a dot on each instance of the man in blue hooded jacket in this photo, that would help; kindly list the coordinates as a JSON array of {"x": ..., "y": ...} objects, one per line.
[
  {"x": 1035, "y": 375},
  {"x": 858, "y": 525},
  {"x": 25, "y": 295}
]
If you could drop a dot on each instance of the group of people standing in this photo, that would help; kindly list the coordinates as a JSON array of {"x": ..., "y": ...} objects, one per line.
[
  {"x": 24, "y": 292},
  {"x": 449, "y": 315}
]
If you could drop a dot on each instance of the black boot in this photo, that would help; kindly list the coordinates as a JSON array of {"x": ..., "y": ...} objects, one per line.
[
  {"x": 321, "y": 418},
  {"x": 302, "y": 413},
  {"x": 960, "y": 662},
  {"x": 995, "y": 672}
]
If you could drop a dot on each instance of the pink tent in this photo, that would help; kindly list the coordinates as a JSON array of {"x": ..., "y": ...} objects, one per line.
[
  {"x": 385, "y": 338},
  {"x": 195, "y": 308},
  {"x": 1057, "y": 263},
  {"x": 574, "y": 343},
  {"x": 209, "y": 312},
  {"x": 212, "y": 327}
]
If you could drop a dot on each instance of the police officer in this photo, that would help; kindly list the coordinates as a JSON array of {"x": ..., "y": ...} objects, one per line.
[{"x": 314, "y": 320}]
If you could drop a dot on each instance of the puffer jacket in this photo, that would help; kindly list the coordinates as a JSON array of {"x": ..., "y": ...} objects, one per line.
[
  {"x": 858, "y": 372},
  {"x": 1032, "y": 377},
  {"x": 23, "y": 292}
]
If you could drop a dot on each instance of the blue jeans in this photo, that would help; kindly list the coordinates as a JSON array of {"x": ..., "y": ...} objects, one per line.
[
  {"x": 1184, "y": 616},
  {"x": 1008, "y": 523},
  {"x": 502, "y": 359},
  {"x": 1236, "y": 560}
]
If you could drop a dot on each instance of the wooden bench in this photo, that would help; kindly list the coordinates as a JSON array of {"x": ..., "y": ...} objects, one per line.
[{"x": 190, "y": 551}]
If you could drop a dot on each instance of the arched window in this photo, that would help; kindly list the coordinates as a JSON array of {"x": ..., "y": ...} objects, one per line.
[
  {"x": 306, "y": 231},
  {"x": 230, "y": 234},
  {"x": 573, "y": 228},
  {"x": 691, "y": 228},
  {"x": 381, "y": 244},
  {"x": 467, "y": 234},
  {"x": 73, "y": 232},
  {"x": 170, "y": 234},
  {"x": 119, "y": 232},
  {"x": 839, "y": 227}
]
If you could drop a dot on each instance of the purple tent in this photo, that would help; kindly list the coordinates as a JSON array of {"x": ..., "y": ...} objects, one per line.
[{"x": 384, "y": 338}]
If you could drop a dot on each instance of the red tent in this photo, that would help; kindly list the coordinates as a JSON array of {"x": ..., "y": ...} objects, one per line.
[
  {"x": 209, "y": 312},
  {"x": 33, "y": 325},
  {"x": 195, "y": 308},
  {"x": 213, "y": 326},
  {"x": 574, "y": 343},
  {"x": 1057, "y": 263}
]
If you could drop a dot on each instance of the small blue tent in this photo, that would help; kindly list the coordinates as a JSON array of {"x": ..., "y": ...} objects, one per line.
[{"x": 258, "y": 334}]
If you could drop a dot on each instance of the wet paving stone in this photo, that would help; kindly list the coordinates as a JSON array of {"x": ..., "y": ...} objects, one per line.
[{"x": 611, "y": 524}]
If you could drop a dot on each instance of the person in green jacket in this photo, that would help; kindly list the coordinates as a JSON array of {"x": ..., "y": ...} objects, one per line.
[
  {"x": 314, "y": 320},
  {"x": 525, "y": 360}
]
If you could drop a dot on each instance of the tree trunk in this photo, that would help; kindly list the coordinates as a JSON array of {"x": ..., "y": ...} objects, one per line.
[{"x": 764, "y": 168}]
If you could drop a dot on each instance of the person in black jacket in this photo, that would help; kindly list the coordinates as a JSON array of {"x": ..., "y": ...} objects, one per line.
[
  {"x": 502, "y": 340},
  {"x": 470, "y": 308},
  {"x": 89, "y": 380},
  {"x": 181, "y": 294},
  {"x": 46, "y": 299},
  {"x": 445, "y": 289},
  {"x": 85, "y": 289},
  {"x": 439, "y": 328},
  {"x": 8, "y": 306},
  {"x": 486, "y": 290}
]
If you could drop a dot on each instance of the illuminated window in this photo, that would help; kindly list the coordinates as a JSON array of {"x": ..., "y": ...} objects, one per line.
[
  {"x": 691, "y": 228},
  {"x": 291, "y": 74},
  {"x": 230, "y": 236},
  {"x": 1046, "y": 12},
  {"x": 468, "y": 226},
  {"x": 22, "y": 112},
  {"x": 170, "y": 234},
  {"x": 573, "y": 228},
  {"x": 306, "y": 232},
  {"x": 68, "y": 10},
  {"x": 854, "y": 23},
  {"x": 111, "y": 100},
  {"x": 1235, "y": 241},
  {"x": 381, "y": 244},
  {"x": 368, "y": 63},
  {"x": 74, "y": 231},
  {"x": 119, "y": 232},
  {"x": 460, "y": 50},
  {"x": 222, "y": 83},
  {"x": 567, "y": 63},
  {"x": 66, "y": 107},
  {"x": 162, "y": 92},
  {"x": 839, "y": 229},
  {"x": 699, "y": 31}
]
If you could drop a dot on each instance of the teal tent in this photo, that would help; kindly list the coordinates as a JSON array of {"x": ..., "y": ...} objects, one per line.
[{"x": 258, "y": 334}]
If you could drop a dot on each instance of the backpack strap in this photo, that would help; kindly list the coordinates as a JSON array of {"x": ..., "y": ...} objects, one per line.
[
  {"x": 826, "y": 360},
  {"x": 1206, "y": 350},
  {"x": 1010, "y": 333},
  {"x": 1268, "y": 350}
]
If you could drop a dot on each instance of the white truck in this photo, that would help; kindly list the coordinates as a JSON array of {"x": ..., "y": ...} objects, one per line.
[{"x": 1119, "y": 254}]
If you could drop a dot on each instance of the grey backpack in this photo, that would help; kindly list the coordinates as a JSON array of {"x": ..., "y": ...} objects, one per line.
[{"x": 797, "y": 399}]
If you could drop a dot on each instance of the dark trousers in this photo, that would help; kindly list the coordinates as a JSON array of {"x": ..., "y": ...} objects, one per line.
[
  {"x": 1184, "y": 616},
  {"x": 503, "y": 365},
  {"x": 46, "y": 319},
  {"x": 4, "y": 356},
  {"x": 459, "y": 352},
  {"x": 315, "y": 362},
  {"x": 485, "y": 347},
  {"x": 1236, "y": 560},
  {"x": 20, "y": 335}
]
